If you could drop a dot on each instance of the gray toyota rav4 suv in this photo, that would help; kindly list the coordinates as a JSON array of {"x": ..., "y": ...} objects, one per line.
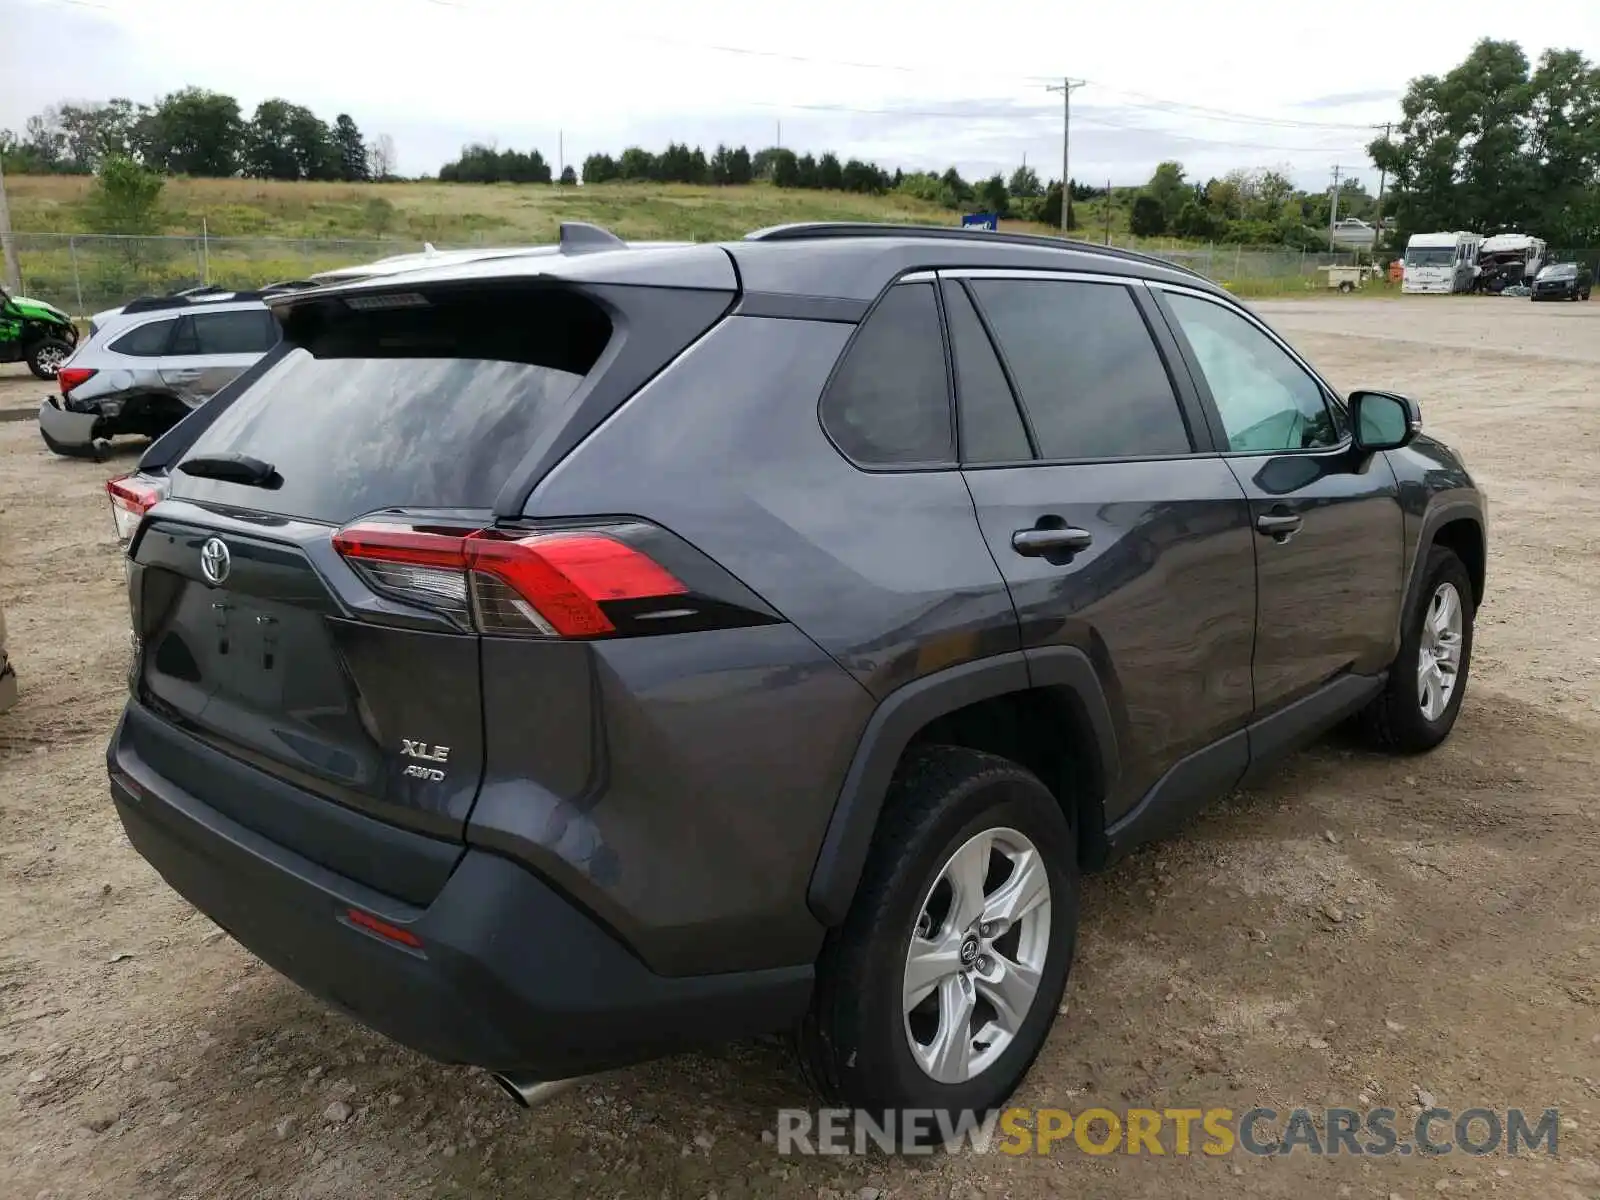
[{"x": 563, "y": 660}]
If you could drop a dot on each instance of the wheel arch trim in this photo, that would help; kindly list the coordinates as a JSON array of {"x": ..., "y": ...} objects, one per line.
[
  {"x": 897, "y": 720},
  {"x": 1435, "y": 519}
]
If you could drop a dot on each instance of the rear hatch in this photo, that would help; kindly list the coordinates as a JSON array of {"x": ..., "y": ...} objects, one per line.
[{"x": 310, "y": 598}]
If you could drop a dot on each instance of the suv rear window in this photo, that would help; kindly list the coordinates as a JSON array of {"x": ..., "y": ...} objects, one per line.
[
  {"x": 251, "y": 331},
  {"x": 147, "y": 341},
  {"x": 889, "y": 404},
  {"x": 426, "y": 407}
]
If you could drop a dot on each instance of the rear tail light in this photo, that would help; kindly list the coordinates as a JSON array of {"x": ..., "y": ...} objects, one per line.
[
  {"x": 71, "y": 377},
  {"x": 567, "y": 583},
  {"x": 131, "y": 497}
]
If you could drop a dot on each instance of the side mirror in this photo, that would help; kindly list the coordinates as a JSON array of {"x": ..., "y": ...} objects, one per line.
[{"x": 1384, "y": 421}]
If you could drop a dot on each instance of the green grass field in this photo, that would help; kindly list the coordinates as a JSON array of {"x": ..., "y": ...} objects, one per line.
[
  {"x": 290, "y": 225},
  {"x": 447, "y": 213}
]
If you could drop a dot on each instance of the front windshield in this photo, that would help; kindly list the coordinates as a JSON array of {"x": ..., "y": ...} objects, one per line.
[
  {"x": 1430, "y": 256},
  {"x": 1559, "y": 271}
]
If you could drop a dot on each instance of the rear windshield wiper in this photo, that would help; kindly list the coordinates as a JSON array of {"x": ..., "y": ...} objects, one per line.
[{"x": 233, "y": 468}]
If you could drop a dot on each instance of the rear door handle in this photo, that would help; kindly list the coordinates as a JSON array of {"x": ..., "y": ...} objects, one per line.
[
  {"x": 1279, "y": 526},
  {"x": 1036, "y": 543}
]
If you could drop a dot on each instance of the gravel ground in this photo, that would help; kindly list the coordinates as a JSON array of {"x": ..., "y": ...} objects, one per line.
[{"x": 1355, "y": 927}]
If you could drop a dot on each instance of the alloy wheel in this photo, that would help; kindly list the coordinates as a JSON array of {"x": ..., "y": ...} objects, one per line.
[
  {"x": 50, "y": 360},
  {"x": 976, "y": 955},
  {"x": 1439, "y": 651}
]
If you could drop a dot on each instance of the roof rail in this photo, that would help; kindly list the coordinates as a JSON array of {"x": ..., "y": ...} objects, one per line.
[
  {"x": 807, "y": 230},
  {"x": 580, "y": 237}
]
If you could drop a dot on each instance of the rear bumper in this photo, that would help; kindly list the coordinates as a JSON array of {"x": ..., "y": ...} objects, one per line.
[
  {"x": 68, "y": 433},
  {"x": 510, "y": 975}
]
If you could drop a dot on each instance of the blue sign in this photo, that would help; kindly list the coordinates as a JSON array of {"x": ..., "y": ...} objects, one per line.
[{"x": 986, "y": 221}]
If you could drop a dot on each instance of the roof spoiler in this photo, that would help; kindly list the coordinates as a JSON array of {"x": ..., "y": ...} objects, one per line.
[{"x": 580, "y": 237}]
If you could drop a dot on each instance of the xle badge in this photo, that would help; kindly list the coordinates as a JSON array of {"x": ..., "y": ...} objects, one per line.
[{"x": 437, "y": 754}]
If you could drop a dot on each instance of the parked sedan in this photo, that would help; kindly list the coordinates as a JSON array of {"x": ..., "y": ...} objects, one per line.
[{"x": 1563, "y": 281}]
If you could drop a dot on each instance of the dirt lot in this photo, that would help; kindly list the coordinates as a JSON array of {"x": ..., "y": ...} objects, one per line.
[{"x": 144, "y": 1054}]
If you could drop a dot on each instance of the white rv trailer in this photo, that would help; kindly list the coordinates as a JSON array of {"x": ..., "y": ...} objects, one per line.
[{"x": 1441, "y": 263}]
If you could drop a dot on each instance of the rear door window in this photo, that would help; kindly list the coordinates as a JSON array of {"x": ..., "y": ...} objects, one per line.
[
  {"x": 1090, "y": 377},
  {"x": 149, "y": 340},
  {"x": 991, "y": 427},
  {"x": 217, "y": 333},
  {"x": 431, "y": 407},
  {"x": 889, "y": 403}
]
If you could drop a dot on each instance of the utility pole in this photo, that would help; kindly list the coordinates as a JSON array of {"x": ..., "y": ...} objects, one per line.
[
  {"x": 779, "y": 142},
  {"x": 1333, "y": 211},
  {"x": 11, "y": 273},
  {"x": 1377, "y": 215},
  {"x": 1065, "y": 88},
  {"x": 1107, "y": 210},
  {"x": 561, "y": 154}
]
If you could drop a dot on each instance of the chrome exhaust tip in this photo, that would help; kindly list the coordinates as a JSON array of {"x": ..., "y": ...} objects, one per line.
[{"x": 528, "y": 1092}]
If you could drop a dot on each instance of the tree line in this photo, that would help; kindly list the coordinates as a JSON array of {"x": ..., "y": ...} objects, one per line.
[
  {"x": 1253, "y": 208},
  {"x": 1497, "y": 145},
  {"x": 1024, "y": 196},
  {"x": 197, "y": 132}
]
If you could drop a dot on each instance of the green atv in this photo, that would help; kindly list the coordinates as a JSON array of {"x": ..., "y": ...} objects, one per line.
[{"x": 36, "y": 333}]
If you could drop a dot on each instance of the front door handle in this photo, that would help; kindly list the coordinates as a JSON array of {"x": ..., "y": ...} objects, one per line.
[
  {"x": 1280, "y": 527},
  {"x": 1038, "y": 543}
]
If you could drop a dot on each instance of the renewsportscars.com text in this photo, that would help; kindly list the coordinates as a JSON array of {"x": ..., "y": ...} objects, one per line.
[{"x": 1170, "y": 1131}]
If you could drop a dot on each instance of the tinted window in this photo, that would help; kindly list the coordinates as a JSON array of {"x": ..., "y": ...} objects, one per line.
[
  {"x": 890, "y": 401},
  {"x": 1090, "y": 377},
  {"x": 250, "y": 332},
  {"x": 148, "y": 341},
  {"x": 1266, "y": 400},
  {"x": 431, "y": 407},
  {"x": 991, "y": 427}
]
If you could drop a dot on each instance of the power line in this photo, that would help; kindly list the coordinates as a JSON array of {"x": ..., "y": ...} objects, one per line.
[
  {"x": 1093, "y": 119},
  {"x": 1097, "y": 121},
  {"x": 944, "y": 115},
  {"x": 1228, "y": 115}
]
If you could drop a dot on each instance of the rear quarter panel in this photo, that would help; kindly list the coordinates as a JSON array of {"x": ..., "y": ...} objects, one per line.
[{"x": 723, "y": 760}]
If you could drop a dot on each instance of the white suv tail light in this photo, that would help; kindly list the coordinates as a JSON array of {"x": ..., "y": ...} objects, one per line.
[{"x": 131, "y": 497}]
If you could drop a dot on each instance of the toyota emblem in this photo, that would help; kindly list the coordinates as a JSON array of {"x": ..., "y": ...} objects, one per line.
[{"x": 215, "y": 561}]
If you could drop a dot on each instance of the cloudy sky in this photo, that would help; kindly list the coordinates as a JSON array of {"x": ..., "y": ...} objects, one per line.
[{"x": 1244, "y": 83}]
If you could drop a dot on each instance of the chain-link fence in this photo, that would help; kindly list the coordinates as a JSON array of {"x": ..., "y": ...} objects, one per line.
[
  {"x": 84, "y": 274},
  {"x": 1261, "y": 269}
]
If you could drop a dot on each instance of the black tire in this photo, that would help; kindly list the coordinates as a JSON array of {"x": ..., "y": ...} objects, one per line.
[
  {"x": 1347, "y": 287},
  {"x": 853, "y": 1044},
  {"x": 42, "y": 353},
  {"x": 1395, "y": 721}
]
